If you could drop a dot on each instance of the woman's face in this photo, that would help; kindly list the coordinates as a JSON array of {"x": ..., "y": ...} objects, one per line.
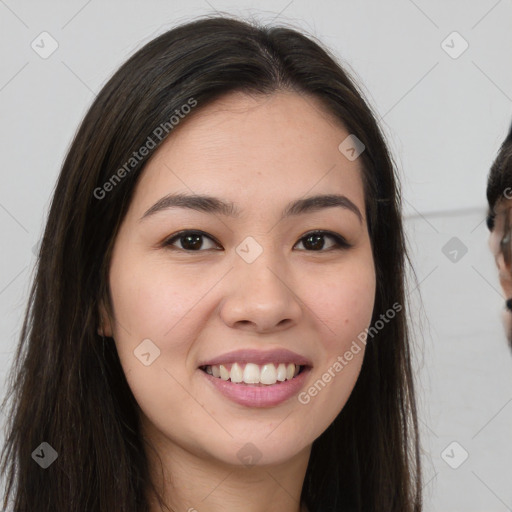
[
  {"x": 501, "y": 247},
  {"x": 255, "y": 280}
]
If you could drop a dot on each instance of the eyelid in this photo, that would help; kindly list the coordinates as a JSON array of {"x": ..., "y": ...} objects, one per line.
[
  {"x": 171, "y": 239},
  {"x": 341, "y": 242}
]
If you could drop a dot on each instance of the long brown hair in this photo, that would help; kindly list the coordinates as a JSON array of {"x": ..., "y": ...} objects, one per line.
[{"x": 68, "y": 387}]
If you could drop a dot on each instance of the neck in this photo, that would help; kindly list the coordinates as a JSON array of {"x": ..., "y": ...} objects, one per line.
[{"x": 196, "y": 482}]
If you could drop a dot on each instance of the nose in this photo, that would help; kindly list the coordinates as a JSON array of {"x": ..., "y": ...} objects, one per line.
[{"x": 260, "y": 298}]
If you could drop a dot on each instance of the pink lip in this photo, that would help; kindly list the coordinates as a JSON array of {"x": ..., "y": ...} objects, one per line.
[
  {"x": 259, "y": 396},
  {"x": 258, "y": 357}
]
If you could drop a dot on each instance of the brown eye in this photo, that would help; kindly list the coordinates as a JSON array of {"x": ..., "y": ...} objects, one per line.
[
  {"x": 315, "y": 241},
  {"x": 191, "y": 241}
]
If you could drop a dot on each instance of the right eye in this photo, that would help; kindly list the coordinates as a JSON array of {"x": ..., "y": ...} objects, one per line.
[{"x": 190, "y": 240}]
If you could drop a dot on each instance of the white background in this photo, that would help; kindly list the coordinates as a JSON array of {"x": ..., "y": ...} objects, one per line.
[{"x": 444, "y": 117}]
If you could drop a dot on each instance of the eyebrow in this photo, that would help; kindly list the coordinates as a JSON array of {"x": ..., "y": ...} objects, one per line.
[{"x": 210, "y": 204}]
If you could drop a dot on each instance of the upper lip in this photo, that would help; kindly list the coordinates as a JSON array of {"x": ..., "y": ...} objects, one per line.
[{"x": 280, "y": 355}]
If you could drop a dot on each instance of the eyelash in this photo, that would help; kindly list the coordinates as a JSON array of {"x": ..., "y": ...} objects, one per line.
[{"x": 339, "y": 241}]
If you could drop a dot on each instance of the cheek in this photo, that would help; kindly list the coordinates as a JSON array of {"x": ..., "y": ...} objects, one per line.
[
  {"x": 149, "y": 301},
  {"x": 159, "y": 304},
  {"x": 344, "y": 303},
  {"x": 344, "y": 310},
  {"x": 494, "y": 242},
  {"x": 505, "y": 276}
]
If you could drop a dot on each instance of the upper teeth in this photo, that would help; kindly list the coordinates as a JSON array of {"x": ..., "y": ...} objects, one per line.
[{"x": 253, "y": 373}]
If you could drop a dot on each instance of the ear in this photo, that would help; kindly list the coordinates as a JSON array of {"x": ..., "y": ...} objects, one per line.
[
  {"x": 505, "y": 275},
  {"x": 105, "y": 327}
]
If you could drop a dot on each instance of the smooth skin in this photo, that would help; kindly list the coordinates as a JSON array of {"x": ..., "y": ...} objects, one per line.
[{"x": 259, "y": 152}]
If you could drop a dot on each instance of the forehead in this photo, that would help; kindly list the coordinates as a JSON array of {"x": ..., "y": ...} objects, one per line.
[{"x": 245, "y": 146}]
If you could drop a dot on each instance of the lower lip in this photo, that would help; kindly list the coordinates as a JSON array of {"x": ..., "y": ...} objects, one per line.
[{"x": 259, "y": 396}]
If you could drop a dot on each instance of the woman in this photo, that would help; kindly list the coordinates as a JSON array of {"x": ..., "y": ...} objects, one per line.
[
  {"x": 499, "y": 198},
  {"x": 218, "y": 316}
]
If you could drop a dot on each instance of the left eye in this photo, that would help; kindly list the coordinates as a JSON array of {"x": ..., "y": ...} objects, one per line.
[{"x": 192, "y": 241}]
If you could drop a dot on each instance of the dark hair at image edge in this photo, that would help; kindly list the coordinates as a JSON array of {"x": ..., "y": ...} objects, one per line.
[
  {"x": 500, "y": 177},
  {"x": 68, "y": 387}
]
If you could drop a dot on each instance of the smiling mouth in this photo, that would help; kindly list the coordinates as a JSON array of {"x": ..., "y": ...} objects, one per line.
[{"x": 253, "y": 374}]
